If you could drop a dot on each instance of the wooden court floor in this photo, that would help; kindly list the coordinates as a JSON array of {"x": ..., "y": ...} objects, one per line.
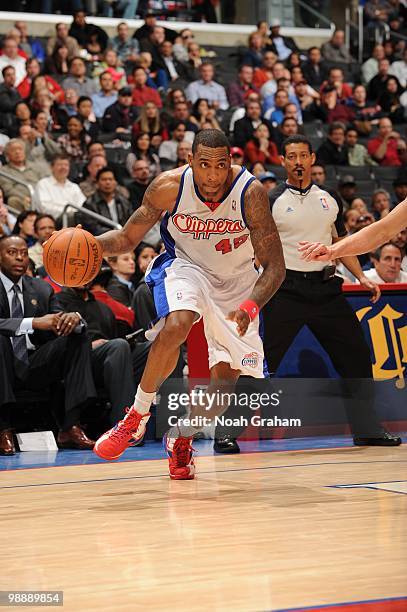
[{"x": 264, "y": 531}]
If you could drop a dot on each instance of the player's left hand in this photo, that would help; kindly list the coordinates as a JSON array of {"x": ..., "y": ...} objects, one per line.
[
  {"x": 372, "y": 287},
  {"x": 242, "y": 320},
  {"x": 67, "y": 323}
]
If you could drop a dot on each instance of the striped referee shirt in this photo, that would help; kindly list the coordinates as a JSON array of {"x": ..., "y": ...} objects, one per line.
[{"x": 313, "y": 214}]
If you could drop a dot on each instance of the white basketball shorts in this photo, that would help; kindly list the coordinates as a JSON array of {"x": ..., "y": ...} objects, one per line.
[{"x": 177, "y": 284}]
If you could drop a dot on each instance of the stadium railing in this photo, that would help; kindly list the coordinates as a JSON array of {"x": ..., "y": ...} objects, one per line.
[
  {"x": 87, "y": 213},
  {"x": 18, "y": 181}
]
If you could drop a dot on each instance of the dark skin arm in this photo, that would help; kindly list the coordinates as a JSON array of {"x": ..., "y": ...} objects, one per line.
[
  {"x": 267, "y": 247},
  {"x": 160, "y": 196}
]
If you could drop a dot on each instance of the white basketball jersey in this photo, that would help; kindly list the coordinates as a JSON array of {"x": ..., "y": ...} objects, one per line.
[{"x": 212, "y": 236}]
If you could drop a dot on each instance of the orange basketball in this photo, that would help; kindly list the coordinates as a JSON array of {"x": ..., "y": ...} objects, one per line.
[{"x": 72, "y": 257}]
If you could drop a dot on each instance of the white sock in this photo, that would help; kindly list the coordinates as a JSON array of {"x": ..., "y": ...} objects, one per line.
[
  {"x": 143, "y": 401},
  {"x": 181, "y": 429}
]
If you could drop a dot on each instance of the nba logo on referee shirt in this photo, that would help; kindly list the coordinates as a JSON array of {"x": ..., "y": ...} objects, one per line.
[
  {"x": 179, "y": 295},
  {"x": 324, "y": 203},
  {"x": 233, "y": 204}
]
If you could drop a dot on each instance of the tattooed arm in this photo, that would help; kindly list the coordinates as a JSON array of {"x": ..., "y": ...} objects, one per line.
[
  {"x": 267, "y": 247},
  {"x": 160, "y": 196}
]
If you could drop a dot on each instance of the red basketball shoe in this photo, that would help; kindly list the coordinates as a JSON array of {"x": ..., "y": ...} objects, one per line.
[
  {"x": 180, "y": 457},
  {"x": 125, "y": 433}
]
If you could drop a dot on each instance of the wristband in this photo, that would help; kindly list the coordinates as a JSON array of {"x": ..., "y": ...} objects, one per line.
[{"x": 251, "y": 308}]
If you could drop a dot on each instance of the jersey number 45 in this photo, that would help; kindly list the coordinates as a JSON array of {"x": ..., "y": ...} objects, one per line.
[{"x": 226, "y": 245}]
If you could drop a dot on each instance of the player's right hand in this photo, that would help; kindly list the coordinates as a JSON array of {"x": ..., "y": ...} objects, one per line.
[
  {"x": 315, "y": 251},
  {"x": 242, "y": 320},
  {"x": 49, "y": 322}
]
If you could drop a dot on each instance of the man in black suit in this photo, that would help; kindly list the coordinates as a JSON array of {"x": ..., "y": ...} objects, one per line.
[
  {"x": 244, "y": 128},
  {"x": 39, "y": 347},
  {"x": 282, "y": 46}
]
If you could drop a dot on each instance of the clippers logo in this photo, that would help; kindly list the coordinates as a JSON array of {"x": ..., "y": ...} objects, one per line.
[
  {"x": 251, "y": 360},
  {"x": 324, "y": 203},
  {"x": 186, "y": 224}
]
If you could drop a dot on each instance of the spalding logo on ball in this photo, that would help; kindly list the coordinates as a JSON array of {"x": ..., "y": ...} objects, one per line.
[{"x": 72, "y": 257}]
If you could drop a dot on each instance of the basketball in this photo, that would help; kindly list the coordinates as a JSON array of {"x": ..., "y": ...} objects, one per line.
[{"x": 72, "y": 257}]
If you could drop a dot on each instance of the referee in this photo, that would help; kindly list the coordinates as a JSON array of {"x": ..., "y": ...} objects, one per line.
[{"x": 311, "y": 293}]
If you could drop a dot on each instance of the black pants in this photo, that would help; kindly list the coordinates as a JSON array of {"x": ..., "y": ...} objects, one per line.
[
  {"x": 66, "y": 358},
  {"x": 118, "y": 369},
  {"x": 322, "y": 306}
]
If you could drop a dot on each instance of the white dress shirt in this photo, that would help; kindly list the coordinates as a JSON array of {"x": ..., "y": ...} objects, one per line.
[
  {"x": 18, "y": 64},
  {"x": 373, "y": 275},
  {"x": 51, "y": 197},
  {"x": 26, "y": 326}
]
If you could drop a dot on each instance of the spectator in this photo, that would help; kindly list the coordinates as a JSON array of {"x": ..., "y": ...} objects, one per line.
[
  {"x": 62, "y": 39},
  {"x": 87, "y": 116},
  {"x": 174, "y": 69},
  {"x": 310, "y": 107},
  {"x": 350, "y": 217},
  {"x": 244, "y": 128},
  {"x": 106, "y": 96},
  {"x": 140, "y": 173},
  {"x": 152, "y": 44},
  {"x": 75, "y": 141},
  {"x": 260, "y": 148},
  {"x": 20, "y": 116},
  {"x": 399, "y": 70},
  {"x": 120, "y": 116},
  {"x": 18, "y": 196},
  {"x": 24, "y": 227},
  {"x": 390, "y": 101},
  {"x": 141, "y": 149},
  {"x": 357, "y": 153},
  {"x": 120, "y": 286},
  {"x": 207, "y": 88},
  {"x": 265, "y": 72},
  {"x": 334, "y": 150},
  {"x": 239, "y": 89},
  {"x": 186, "y": 36},
  {"x": 78, "y": 80},
  {"x": 39, "y": 147},
  {"x": 141, "y": 92},
  {"x": 371, "y": 66},
  {"x": 85, "y": 33},
  {"x": 383, "y": 148},
  {"x": 126, "y": 48},
  {"x": 106, "y": 201},
  {"x": 257, "y": 169},
  {"x": 376, "y": 85},
  {"x": 237, "y": 155},
  {"x": 9, "y": 97},
  {"x": 155, "y": 80},
  {"x": 359, "y": 205},
  {"x": 143, "y": 303},
  {"x": 168, "y": 148},
  {"x": 335, "y": 49},
  {"x": 194, "y": 62},
  {"x": 182, "y": 113},
  {"x": 347, "y": 189},
  {"x": 282, "y": 46},
  {"x": 387, "y": 265},
  {"x": 365, "y": 112},
  {"x": 275, "y": 113},
  {"x": 54, "y": 192},
  {"x": 381, "y": 203},
  {"x": 264, "y": 30},
  {"x": 318, "y": 174},
  {"x": 268, "y": 180},
  {"x": 44, "y": 226},
  {"x": 115, "y": 367},
  {"x": 57, "y": 64},
  {"x": 71, "y": 103},
  {"x": 11, "y": 57},
  {"x": 111, "y": 64},
  {"x": 313, "y": 70},
  {"x": 377, "y": 10},
  {"x": 124, "y": 316},
  {"x": 400, "y": 240},
  {"x": 7, "y": 220},
  {"x": 288, "y": 127},
  {"x": 400, "y": 189},
  {"x": 143, "y": 32},
  {"x": 202, "y": 112},
  {"x": 96, "y": 162},
  {"x": 270, "y": 87},
  {"x": 254, "y": 55},
  {"x": 184, "y": 150},
  {"x": 149, "y": 121},
  {"x": 336, "y": 80},
  {"x": 43, "y": 357},
  {"x": 31, "y": 46},
  {"x": 335, "y": 109}
]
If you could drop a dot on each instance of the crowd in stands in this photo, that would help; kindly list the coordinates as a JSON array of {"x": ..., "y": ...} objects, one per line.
[{"x": 89, "y": 121}]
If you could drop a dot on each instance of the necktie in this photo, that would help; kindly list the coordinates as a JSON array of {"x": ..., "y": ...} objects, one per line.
[{"x": 19, "y": 342}]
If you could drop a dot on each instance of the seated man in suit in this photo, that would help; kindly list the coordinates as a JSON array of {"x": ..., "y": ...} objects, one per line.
[{"x": 39, "y": 347}]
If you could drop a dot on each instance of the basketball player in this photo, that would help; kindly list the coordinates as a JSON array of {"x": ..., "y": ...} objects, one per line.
[
  {"x": 216, "y": 216},
  {"x": 364, "y": 241}
]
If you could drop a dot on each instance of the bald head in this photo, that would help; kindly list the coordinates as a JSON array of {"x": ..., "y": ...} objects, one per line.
[{"x": 13, "y": 257}]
